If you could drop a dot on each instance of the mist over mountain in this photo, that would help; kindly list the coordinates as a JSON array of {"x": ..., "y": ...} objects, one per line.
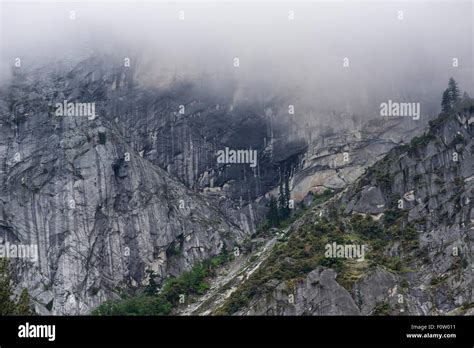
[
  {"x": 293, "y": 51},
  {"x": 198, "y": 158}
]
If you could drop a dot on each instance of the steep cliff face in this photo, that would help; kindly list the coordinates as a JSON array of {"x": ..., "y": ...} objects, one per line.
[
  {"x": 134, "y": 187},
  {"x": 335, "y": 159},
  {"x": 181, "y": 126},
  {"x": 412, "y": 213},
  {"x": 137, "y": 186},
  {"x": 427, "y": 186},
  {"x": 100, "y": 213}
]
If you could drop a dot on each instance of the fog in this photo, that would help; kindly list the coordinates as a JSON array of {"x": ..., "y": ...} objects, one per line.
[{"x": 406, "y": 56}]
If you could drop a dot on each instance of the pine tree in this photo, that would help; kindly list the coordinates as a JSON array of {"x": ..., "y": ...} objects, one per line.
[
  {"x": 152, "y": 287},
  {"x": 23, "y": 305},
  {"x": 446, "y": 102},
  {"x": 224, "y": 253},
  {"x": 451, "y": 96},
  {"x": 272, "y": 216},
  {"x": 9, "y": 305},
  {"x": 454, "y": 92}
]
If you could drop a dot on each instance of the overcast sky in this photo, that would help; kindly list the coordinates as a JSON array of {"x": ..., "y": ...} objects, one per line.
[{"x": 391, "y": 54}]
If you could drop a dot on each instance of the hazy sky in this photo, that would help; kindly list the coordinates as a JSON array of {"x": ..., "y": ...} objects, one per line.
[{"x": 391, "y": 54}]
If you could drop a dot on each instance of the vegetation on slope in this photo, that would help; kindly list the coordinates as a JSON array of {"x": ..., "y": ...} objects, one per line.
[
  {"x": 292, "y": 260},
  {"x": 155, "y": 302},
  {"x": 9, "y": 303}
]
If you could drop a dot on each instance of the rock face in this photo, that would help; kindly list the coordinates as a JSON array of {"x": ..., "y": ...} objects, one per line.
[
  {"x": 318, "y": 294},
  {"x": 99, "y": 211},
  {"x": 136, "y": 187},
  {"x": 335, "y": 160},
  {"x": 429, "y": 181},
  {"x": 421, "y": 195}
]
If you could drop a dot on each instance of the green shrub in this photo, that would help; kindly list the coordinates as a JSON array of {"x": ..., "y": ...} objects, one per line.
[
  {"x": 192, "y": 282},
  {"x": 139, "y": 305},
  {"x": 9, "y": 303},
  {"x": 382, "y": 309}
]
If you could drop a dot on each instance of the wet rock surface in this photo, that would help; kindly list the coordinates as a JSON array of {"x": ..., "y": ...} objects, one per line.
[{"x": 138, "y": 187}]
